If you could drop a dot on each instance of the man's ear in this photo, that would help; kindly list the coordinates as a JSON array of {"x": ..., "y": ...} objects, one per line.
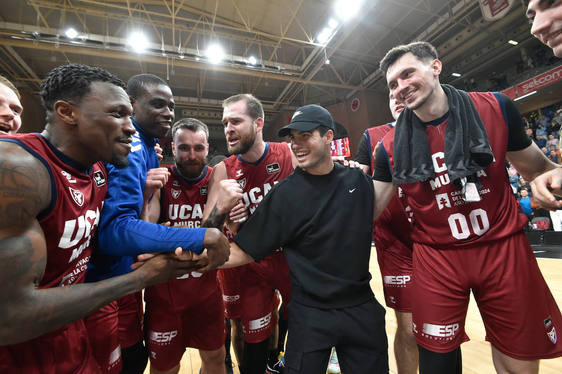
[
  {"x": 66, "y": 112},
  {"x": 259, "y": 124},
  {"x": 329, "y": 136},
  {"x": 436, "y": 67}
]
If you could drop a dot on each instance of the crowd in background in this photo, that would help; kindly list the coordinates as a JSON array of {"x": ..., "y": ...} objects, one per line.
[{"x": 544, "y": 127}]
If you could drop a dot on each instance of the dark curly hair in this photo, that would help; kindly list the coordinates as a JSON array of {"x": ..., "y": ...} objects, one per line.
[
  {"x": 72, "y": 82},
  {"x": 422, "y": 50}
]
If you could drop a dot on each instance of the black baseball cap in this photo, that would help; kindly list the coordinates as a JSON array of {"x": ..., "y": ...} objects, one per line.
[{"x": 308, "y": 118}]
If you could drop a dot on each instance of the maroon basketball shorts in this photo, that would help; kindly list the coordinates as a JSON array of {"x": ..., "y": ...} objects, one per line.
[
  {"x": 102, "y": 327},
  {"x": 520, "y": 315},
  {"x": 169, "y": 332},
  {"x": 395, "y": 263},
  {"x": 63, "y": 351},
  {"x": 130, "y": 319}
]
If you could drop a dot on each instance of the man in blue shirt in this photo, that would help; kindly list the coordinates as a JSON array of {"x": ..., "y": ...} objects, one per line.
[{"x": 124, "y": 235}]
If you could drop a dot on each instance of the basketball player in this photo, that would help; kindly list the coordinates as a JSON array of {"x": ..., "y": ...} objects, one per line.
[
  {"x": 447, "y": 154},
  {"x": 249, "y": 292},
  {"x": 188, "y": 311},
  {"x": 124, "y": 235},
  {"x": 394, "y": 251},
  {"x": 10, "y": 107},
  {"x": 53, "y": 188}
]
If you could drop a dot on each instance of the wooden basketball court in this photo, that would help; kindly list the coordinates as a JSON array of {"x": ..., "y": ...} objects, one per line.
[{"x": 477, "y": 358}]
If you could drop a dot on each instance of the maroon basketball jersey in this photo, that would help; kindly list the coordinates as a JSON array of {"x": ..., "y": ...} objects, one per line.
[
  {"x": 392, "y": 225},
  {"x": 68, "y": 225},
  {"x": 442, "y": 218},
  {"x": 72, "y": 218},
  {"x": 182, "y": 203},
  {"x": 375, "y": 135},
  {"x": 257, "y": 178}
]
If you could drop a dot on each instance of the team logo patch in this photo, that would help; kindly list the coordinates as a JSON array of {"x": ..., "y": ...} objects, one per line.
[
  {"x": 273, "y": 168},
  {"x": 203, "y": 190},
  {"x": 242, "y": 182},
  {"x": 175, "y": 193},
  {"x": 548, "y": 322},
  {"x": 77, "y": 196},
  {"x": 99, "y": 178},
  {"x": 552, "y": 335}
]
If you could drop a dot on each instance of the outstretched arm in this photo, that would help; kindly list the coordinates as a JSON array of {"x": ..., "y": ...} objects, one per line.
[{"x": 25, "y": 310}]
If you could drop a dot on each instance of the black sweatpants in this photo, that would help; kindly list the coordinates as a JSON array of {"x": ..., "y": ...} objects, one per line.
[{"x": 357, "y": 332}]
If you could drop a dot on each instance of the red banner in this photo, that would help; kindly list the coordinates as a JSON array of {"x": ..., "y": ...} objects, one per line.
[
  {"x": 536, "y": 83},
  {"x": 494, "y": 9}
]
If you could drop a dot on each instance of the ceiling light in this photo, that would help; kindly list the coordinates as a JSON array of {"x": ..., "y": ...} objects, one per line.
[
  {"x": 512, "y": 42},
  {"x": 346, "y": 9},
  {"x": 71, "y": 33},
  {"x": 137, "y": 41},
  {"x": 332, "y": 23},
  {"x": 252, "y": 60},
  {"x": 327, "y": 62},
  {"x": 325, "y": 35},
  {"x": 215, "y": 53},
  {"x": 524, "y": 96},
  {"x": 182, "y": 56},
  {"x": 456, "y": 75}
]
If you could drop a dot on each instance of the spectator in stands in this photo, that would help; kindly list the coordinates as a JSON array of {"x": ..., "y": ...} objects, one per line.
[
  {"x": 525, "y": 202},
  {"x": 541, "y": 127},
  {"x": 540, "y": 141},
  {"x": 552, "y": 143}
]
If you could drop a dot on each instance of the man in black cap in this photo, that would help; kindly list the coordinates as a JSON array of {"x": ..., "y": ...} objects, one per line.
[{"x": 322, "y": 216}]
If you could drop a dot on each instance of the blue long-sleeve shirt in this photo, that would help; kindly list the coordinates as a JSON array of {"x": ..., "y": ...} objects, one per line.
[{"x": 122, "y": 235}]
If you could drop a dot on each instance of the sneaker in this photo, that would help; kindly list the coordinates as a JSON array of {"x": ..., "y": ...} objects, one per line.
[
  {"x": 333, "y": 364},
  {"x": 278, "y": 366}
]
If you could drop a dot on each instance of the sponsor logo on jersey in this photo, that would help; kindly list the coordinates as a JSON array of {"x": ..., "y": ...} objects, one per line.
[
  {"x": 255, "y": 195},
  {"x": 443, "y": 200},
  {"x": 239, "y": 173},
  {"x": 552, "y": 335},
  {"x": 440, "y": 332},
  {"x": 163, "y": 337},
  {"x": 185, "y": 212},
  {"x": 99, "y": 178},
  {"x": 242, "y": 182},
  {"x": 175, "y": 193},
  {"x": 203, "y": 190},
  {"x": 230, "y": 298},
  {"x": 273, "y": 168},
  {"x": 396, "y": 280},
  {"x": 68, "y": 176},
  {"x": 260, "y": 323},
  {"x": 77, "y": 196},
  {"x": 78, "y": 232}
]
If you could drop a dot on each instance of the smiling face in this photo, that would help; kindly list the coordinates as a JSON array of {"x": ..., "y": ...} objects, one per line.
[
  {"x": 10, "y": 111},
  {"x": 190, "y": 149},
  {"x": 103, "y": 123},
  {"x": 312, "y": 150},
  {"x": 413, "y": 81},
  {"x": 546, "y": 18},
  {"x": 396, "y": 107},
  {"x": 239, "y": 128},
  {"x": 154, "y": 110}
]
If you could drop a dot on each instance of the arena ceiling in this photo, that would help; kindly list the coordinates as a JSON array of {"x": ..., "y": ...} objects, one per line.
[{"x": 282, "y": 35}]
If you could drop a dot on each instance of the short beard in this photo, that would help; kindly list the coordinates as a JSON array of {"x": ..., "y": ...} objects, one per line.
[
  {"x": 243, "y": 146},
  {"x": 186, "y": 172},
  {"x": 119, "y": 162}
]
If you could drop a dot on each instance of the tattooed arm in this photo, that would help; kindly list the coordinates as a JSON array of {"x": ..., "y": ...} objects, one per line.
[
  {"x": 26, "y": 311},
  {"x": 224, "y": 194}
]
